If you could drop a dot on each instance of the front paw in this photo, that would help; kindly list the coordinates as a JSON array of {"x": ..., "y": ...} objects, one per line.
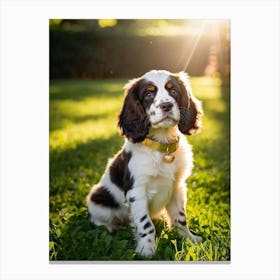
[
  {"x": 196, "y": 238},
  {"x": 146, "y": 248},
  {"x": 184, "y": 232}
]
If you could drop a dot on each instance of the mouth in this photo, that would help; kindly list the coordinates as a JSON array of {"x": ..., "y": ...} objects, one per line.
[{"x": 166, "y": 118}]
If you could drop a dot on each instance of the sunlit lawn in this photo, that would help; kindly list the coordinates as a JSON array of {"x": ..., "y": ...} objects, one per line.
[{"x": 84, "y": 134}]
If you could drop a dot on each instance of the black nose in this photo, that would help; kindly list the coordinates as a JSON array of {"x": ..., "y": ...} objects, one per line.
[{"x": 166, "y": 106}]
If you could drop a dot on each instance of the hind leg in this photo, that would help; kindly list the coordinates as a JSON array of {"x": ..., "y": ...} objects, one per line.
[
  {"x": 105, "y": 210},
  {"x": 101, "y": 216}
]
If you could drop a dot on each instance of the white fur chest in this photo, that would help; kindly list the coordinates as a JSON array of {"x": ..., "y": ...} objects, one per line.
[
  {"x": 159, "y": 192},
  {"x": 156, "y": 176}
]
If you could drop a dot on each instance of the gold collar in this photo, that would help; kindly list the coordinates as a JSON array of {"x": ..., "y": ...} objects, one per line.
[{"x": 163, "y": 148}]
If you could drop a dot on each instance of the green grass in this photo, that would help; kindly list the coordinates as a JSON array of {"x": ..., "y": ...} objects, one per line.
[{"x": 84, "y": 134}]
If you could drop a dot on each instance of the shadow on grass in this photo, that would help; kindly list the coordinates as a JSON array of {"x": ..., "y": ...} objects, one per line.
[
  {"x": 78, "y": 90},
  {"x": 80, "y": 240},
  {"x": 58, "y": 122},
  {"x": 82, "y": 164}
]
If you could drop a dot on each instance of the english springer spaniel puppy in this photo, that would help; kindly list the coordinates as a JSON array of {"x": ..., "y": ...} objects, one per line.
[{"x": 148, "y": 175}]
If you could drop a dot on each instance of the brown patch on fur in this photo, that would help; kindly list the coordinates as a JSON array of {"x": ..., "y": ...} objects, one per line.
[
  {"x": 103, "y": 197},
  {"x": 119, "y": 172},
  {"x": 190, "y": 108},
  {"x": 169, "y": 85},
  {"x": 133, "y": 120},
  {"x": 151, "y": 88}
]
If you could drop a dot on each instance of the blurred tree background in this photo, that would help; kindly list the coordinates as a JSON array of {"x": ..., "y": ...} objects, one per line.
[{"x": 113, "y": 48}]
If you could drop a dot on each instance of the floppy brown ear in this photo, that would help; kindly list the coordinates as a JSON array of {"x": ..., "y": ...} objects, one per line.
[
  {"x": 190, "y": 108},
  {"x": 133, "y": 120}
]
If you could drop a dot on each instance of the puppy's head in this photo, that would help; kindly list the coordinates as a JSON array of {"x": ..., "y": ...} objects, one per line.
[{"x": 159, "y": 99}]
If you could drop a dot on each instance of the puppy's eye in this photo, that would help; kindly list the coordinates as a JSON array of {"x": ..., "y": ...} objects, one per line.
[
  {"x": 173, "y": 91},
  {"x": 149, "y": 94}
]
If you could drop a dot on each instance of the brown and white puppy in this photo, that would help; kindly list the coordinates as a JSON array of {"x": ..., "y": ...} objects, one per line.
[{"x": 148, "y": 175}]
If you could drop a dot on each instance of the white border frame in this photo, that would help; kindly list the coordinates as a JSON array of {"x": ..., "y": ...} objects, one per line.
[{"x": 254, "y": 145}]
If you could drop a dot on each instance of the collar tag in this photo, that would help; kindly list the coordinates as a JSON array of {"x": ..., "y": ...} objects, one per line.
[
  {"x": 167, "y": 149},
  {"x": 168, "y": 158}
]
